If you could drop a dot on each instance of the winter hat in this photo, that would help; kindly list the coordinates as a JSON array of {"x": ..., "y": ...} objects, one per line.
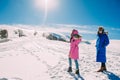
[{"x": 101, "y": 29}]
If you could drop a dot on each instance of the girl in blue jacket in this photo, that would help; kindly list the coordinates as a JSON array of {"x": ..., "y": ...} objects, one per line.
[{"x": 101, "y": 44}]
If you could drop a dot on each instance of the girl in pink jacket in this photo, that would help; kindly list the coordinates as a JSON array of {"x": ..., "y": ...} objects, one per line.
[{"x": 74, "y": 50}]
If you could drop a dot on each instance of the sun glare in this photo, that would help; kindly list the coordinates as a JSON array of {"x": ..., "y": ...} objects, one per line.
[{"x": 46, "y": 4}]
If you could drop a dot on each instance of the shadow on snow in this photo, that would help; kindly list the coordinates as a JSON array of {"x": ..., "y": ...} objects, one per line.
[
  {"x": 111, "y": 76},
  {"x": 76, "y": 77}
]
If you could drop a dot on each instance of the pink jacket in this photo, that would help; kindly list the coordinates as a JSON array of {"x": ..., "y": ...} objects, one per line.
[{"x": 74, "y": 49}]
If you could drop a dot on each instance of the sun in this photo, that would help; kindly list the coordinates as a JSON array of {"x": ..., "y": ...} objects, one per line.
[{"x": 46, "y": 4}]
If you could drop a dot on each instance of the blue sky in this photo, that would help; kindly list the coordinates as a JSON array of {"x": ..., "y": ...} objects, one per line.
[{"x": 80, "y": 12}]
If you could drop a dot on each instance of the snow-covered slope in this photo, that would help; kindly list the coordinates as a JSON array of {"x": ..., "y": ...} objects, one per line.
[{"x": 37, "y": 58}]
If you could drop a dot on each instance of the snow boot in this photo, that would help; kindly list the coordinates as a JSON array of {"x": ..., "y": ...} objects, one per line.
[
  {"x": 77, "y": 71},
  {"x": 69, "y": 69},
  {"x": 102, "y": 69}
]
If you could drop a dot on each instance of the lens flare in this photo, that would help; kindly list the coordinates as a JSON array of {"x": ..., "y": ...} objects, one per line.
[{"x": 46, "y": 6}]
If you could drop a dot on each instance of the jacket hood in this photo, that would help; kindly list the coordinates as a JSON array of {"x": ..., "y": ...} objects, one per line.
[{"x": 74, "y": 32}]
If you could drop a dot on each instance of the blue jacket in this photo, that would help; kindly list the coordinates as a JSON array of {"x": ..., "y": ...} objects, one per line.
[{"x": 101, "y": 44}]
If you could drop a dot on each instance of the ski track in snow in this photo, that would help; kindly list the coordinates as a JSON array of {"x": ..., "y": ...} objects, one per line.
[{"x": 54, "y": 56}]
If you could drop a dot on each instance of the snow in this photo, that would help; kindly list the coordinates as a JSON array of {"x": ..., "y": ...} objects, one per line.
[{"x": 37, "y": 58}]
